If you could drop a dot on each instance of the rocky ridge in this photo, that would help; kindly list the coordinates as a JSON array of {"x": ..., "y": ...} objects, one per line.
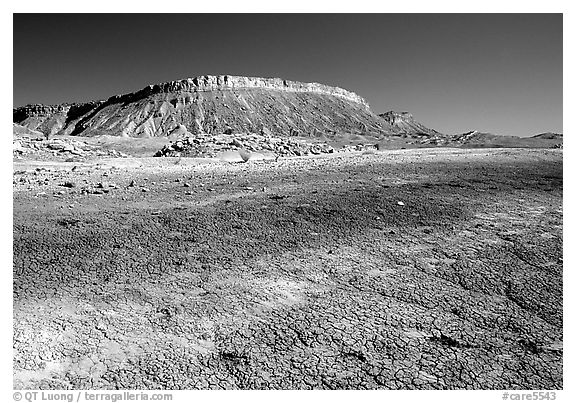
[{"x": 213, "y": 105}]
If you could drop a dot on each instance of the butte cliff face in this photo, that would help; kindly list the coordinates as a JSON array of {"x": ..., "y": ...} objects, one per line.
[{"x": 213, "y": 104}]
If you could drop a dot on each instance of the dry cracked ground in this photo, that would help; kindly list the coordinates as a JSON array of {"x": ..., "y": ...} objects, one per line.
[{"x": 412, "y": 269}]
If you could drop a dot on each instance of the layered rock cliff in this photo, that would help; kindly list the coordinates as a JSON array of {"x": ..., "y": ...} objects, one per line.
[{"x": 213, "y": 104}]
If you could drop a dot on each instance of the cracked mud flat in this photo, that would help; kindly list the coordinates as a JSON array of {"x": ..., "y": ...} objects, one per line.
[{"x": 297, "y": 274}]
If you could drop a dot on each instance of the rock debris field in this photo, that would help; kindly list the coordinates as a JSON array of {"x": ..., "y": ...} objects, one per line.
[{"x": 408, "y": 269}]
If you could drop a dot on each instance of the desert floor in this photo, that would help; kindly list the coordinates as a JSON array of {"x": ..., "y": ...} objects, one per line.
[{"x": 426, "y": 269}]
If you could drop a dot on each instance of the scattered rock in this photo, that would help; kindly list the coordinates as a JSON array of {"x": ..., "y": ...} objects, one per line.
[
  {"x": 204, "y": 145},
  {"x": 42, "y": 148}
]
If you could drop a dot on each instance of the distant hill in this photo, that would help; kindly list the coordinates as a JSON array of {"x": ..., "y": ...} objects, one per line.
[
  {"x": 476, "y": 139},
  {"x": 549, "y": 136},
  {"x": 404, "y": 123}
]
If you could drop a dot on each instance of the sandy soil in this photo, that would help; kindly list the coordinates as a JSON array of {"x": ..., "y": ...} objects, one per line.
[{"x": 426, "y": 269}]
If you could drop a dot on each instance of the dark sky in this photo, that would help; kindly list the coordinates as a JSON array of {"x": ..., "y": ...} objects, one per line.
[{"x": 500, "y": 73}]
